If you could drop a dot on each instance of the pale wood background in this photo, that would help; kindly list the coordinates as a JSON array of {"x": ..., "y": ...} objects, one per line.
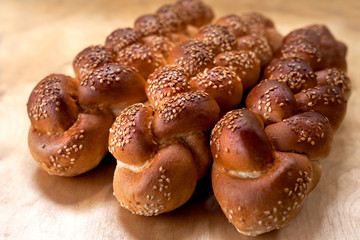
[{"x": 41, "y": 37}]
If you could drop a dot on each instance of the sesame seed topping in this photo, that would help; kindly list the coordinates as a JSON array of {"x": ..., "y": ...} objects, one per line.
[
  {"x": 196, "y": 56},
  {"x": 124, "y": 127},
  {"x": 173, "y": 106}
]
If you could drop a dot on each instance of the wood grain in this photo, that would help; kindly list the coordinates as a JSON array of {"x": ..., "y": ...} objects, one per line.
[{"x": 41, "y": 37}]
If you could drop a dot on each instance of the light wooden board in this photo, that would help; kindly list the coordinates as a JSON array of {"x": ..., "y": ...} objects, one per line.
[{"x": 41, "y": 37}]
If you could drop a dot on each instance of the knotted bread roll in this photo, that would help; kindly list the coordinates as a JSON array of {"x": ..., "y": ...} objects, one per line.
[{"x": 161, "y": 153}]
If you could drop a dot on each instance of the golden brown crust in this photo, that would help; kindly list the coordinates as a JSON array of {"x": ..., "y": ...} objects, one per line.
[
  {"x": 274, "y": 38},
  {"x": 258, "y": 45},
  {"x": 260, "y": 176},
  {"x": 198, "y": 144},
  {"x": 184, "y": 113},
  {"x": 193, "y": 55},
  {"x": 130, "y": 138},
  {"x": 329, "y": 101},
  {"x": 244, "y": 63},
  {"x": 235, "y": 23},
  {"x": 308, "y": 51},
  {"x": 332, "y": 52},
  {"x": 159, "y": 44},
  {"x": 335, "y": 77},
  {"x": 150, "y": 24},
  {"x": 112, "y": 86},
  {"x": 222, "y": 84},
  {"x": 52, "y": 105},
  {"x": 218, "y": 37},
  {"x": 75, "y": 151},
  {"x": 262, "y": 204},
  {"x": 165, "y": 82},
  {"x": 162, "y": 152},
  {"x": 255, "y": 19},
  {"x": 294, "y": 72},
  {"x": 90, "y": 58},
  {"x": 166, "y": 184},
  {"x": 238, "y": 142},
  {"x": 142, "y": 58},
  {"x": 272, "y": 101},
  {"x": 194, "y": 12},
  {"x": 302, "y": 34},
  {"x": 309, "y": 133},
  {"x": 121, "y": 38},
  {"x": 171, "y": 17}
]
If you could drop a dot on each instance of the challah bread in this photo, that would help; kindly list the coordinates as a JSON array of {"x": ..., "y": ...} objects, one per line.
[
  {"x": 244, "y": 63},
  {"x": 121, "y": 38},
  {"x": 64, "y": 139},
  {"x": 253, "y": 24},
  {"x": 265, "y": 157},
  {"x": 334, "y": 77},
  {"x": 220, "y": 83},
  {"x": 193, "y": 71},
  {"x": 194, "y": 12},
  {"x": 112, "y": 86},
  {"x": 294, "y": 72},
  {"x": 141, "y": 57},
  {"x": 258, "y": 45},
  {"x": 91, "y": 58},
  {"x": 316, "y": 45},
  {"x": 108, "y": 78},
  {"x": 161, "y": 153},
  {"x": 192, "y": 55},
  {"x": 260, "y": 183},
  {"x": 219, "y": 38}
]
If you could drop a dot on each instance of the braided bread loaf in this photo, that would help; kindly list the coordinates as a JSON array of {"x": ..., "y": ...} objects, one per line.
[
  {"x": 209, "y": 66},
  {"x": 162, "y": 152},
  {"x": 70, "y": 117},
  {"x": 266, "y": 156}
]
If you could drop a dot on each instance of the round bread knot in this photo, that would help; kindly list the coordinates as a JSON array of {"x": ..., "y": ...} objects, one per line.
[
  {"x": 121, "y": 38},
  {"x": 258, "y": 45},
  {"x": 302, "y": 34},
  {"x": 112, "y": 86},
  {"x": 239, "y": 143},
  {"x": 172, "y": 18},
  {"x": 52, "y": 105},
  {"x": 161, "y": 153},
  {"x": 303, "y": 49},
  {"x": 218, "y": 37},
  {"x": 236, "y": 24},
  {"x": 90, "y": 58},
  {"x": 165, "y": 82},
  {"x": 222, "y": 84},
  {"x": 194, "y": 12},
  {"x": 332, "y": 52},
  {"x": 61, "y": 136},
  {"x": 150, "y": 24},
  {"x": 159, "y": 44},
  {"x": 259, "y": 186},
  {"x": 335, "y": 77},
  {"x": 272, "y": 101},
  {"x": 329, "y": 101},
  {"x": 244, "y": 63},
  {"x": 308, "y": 133},
  {"x": 192, "y": 55},
  {"x": 257, "y": 19},
  {"x": 294, "y": 72},
  {"x": 141, "y": 57}
]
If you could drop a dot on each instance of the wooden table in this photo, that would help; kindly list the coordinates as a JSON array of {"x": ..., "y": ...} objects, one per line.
[{"x": 41, "y": 37}]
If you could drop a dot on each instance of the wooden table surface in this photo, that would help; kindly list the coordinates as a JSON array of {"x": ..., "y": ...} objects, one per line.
[{"x": 41, "y": 37}]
